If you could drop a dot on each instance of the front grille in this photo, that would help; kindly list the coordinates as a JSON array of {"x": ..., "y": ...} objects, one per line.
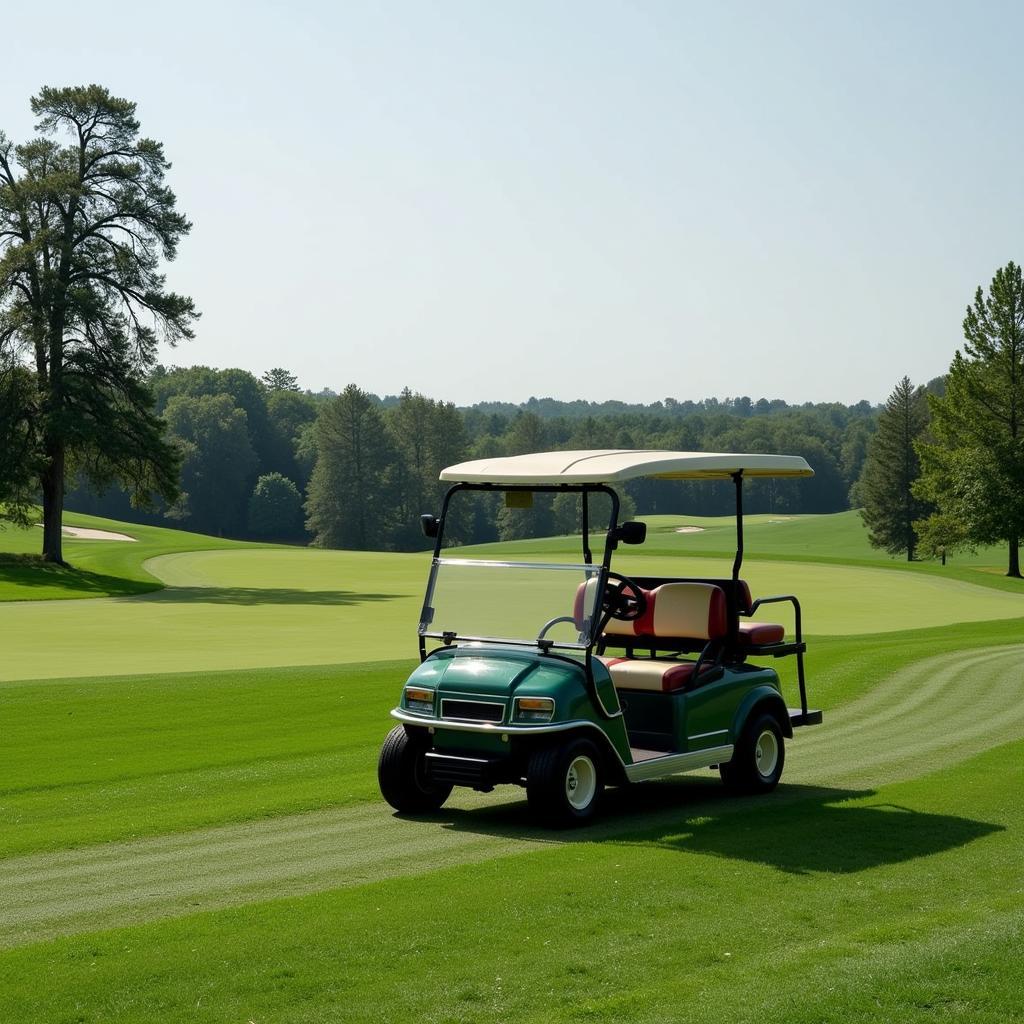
[{"x": 472, "y": 710}]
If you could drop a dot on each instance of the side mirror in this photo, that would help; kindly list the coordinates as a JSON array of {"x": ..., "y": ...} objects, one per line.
[
  {"x": 631, "y": 533},
  {"x": 431, "y": 525}
]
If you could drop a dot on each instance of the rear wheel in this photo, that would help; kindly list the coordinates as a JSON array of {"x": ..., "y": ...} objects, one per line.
[
  {"x": 758, "y": 758},
  {"x": 564, "y": 783},
  {"x": 402, "y": 774}
]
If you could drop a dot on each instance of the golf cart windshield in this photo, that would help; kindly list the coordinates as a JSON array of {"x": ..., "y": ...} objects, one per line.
[{"x": 511, "y": 602}]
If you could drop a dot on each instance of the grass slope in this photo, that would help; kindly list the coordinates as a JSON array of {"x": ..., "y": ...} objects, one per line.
[
  {"x": 840, "y": 535},
  {"x": 261, "y": 607},
  {"x": 228, "y": 609},
  {"x": 210, "y": 846},
  {"x": 90, "y": 760},
  {"x": 99, "y": 568},
  {"x": 822, "y": 904},
  {"x": 838, "y": 539}
]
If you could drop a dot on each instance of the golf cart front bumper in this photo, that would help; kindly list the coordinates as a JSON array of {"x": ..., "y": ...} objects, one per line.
[
  {"x": 482, "y": 755},
  {"x": 486, "y": 728}
]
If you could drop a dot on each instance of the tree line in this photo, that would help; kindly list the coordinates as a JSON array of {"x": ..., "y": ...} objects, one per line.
[
  {"x": 89, "y": 418},
  {"x": 945, "y": 469},
  {"x": 938, "y": 469},
  {"x": 259, "y": 458}
]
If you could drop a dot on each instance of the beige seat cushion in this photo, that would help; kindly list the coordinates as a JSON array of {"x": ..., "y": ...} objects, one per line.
[{"x": 653, "y": 675}]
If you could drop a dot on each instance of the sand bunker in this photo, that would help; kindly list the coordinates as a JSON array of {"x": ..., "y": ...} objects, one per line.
[
  {"x": 81, "y": 533},
  {"x": 690, "y": 529}
]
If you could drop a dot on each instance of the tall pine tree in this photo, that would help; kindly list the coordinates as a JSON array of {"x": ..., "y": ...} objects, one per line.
[
  {"x": 85, "y": 222},
  {"x": 974, "y": 470},
  {"x": 352, "y": 493},
  {"x": 889, "y": 506}
]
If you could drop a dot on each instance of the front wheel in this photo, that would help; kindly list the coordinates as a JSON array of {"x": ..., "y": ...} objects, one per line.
[
  {"x": 564, "y": 783},
  {"x": 402, "y": 775},
  {"x": 758, "y": 758}
]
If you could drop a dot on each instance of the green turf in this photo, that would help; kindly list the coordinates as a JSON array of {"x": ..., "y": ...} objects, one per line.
[
  {"x": 210, "y": 845},
  {"x": 840, "y": 535},
  {"x": 838, "y": 539},
  {"x": 251, "y": 608},
  {"x": 98, "y": 568},
  {"x": 228, "y": 609},
  {"x": 837, "y": 536},
  {"x": 111, "y": 758},
  {"x": 835, "y": 904},
  {"x": 230, "y": 745}
]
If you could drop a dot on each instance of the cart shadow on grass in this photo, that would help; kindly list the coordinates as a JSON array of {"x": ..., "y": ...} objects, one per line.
[{"x": 799, "y": 830}]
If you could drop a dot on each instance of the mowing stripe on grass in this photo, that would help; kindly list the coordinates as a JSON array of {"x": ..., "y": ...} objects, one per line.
[
  {"x": 929, "y": 715},
  {"x": 120, "y": 883},
  {"x": 923, "y": 717}
]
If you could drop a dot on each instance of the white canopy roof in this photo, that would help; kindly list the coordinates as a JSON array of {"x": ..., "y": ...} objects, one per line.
[{"x": 617, "y": 464}]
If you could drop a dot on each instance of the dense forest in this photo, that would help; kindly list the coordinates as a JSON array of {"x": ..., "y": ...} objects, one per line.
[{"x": 262, "y": 459}]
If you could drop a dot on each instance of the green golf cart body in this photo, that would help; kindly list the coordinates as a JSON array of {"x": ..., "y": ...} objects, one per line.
[{"x": 565, "y": 678}]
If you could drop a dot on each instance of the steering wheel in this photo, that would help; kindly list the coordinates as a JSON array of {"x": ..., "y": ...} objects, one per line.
[{"x": 623, "y": 599}]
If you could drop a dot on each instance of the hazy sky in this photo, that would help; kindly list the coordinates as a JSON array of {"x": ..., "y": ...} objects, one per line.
[{"x": 487, "y": 200}]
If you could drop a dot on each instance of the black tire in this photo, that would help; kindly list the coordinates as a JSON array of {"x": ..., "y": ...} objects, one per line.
[
  {"x": 564, "y": 783},
  {"x": 402, "y": 775},
  {"x": 758, "y": 758}
]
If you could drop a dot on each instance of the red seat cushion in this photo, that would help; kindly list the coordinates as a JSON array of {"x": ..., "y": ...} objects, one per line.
[{"x": 758, "y": 633}]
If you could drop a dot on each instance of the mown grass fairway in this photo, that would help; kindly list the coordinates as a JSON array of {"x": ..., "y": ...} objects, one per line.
[
  {"x": 180, "y": 842},
  {"x": 836, "y": 537},
  {"x": 253, "y": 607}
]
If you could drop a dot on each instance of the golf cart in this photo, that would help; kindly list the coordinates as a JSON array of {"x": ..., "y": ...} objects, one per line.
[{"x": 564, "y": 678}]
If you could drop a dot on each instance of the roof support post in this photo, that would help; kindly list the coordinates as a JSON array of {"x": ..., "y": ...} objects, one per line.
[
  {"x": 587, "y": 556},
  {"x": 737, "y": 479}
]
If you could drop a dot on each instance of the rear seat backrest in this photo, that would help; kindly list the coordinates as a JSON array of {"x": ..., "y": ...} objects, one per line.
[
  {"x": 692, "y": 610},
  {"x": 695, "y": 610}
]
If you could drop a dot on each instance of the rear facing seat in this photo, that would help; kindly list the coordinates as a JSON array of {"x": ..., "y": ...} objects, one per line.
[
  {"x": 694, "y": 614},
  {"x": 755, "y": 634}
]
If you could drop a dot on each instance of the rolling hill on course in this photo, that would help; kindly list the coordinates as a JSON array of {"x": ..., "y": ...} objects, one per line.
[{"x": 192, "y": 830}]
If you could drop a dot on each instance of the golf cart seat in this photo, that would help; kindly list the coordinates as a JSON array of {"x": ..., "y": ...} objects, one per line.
[
  {"x": 755, "y": 634},
  {"x": 654, "y": 675},
  {"x": 683, "y": 615},
  {"x": 695, "y": 611}
]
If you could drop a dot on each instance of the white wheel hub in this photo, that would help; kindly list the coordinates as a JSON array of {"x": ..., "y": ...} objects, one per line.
[
  {"x": 580, "y": 783},
  {"x": 766, "y": 753}
]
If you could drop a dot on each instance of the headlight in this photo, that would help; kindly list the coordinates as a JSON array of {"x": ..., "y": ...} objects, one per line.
[
  {"x": 419, "y": 699},
  {"x": 534, "y": 709}
]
